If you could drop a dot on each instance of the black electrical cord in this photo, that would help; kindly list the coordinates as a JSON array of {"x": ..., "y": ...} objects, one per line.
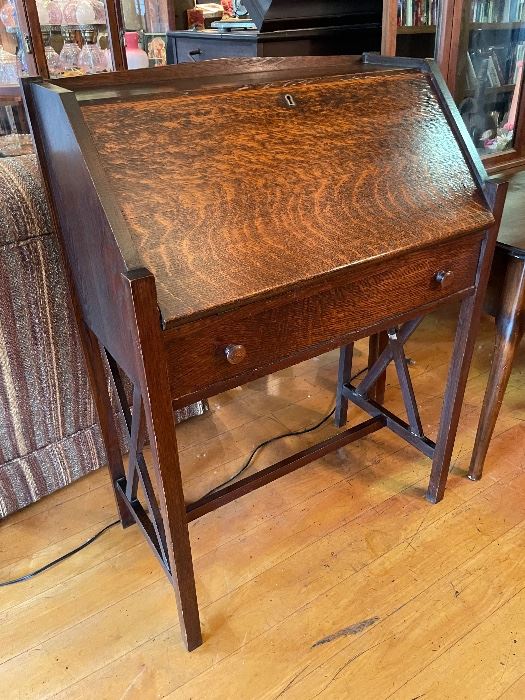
[
  {"x": 60, "y": 559},
  {"x": 292, "y": 433},
  {"x": 245, "y": 466}
]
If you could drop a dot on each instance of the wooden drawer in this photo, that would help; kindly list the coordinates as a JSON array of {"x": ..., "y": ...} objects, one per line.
[
  {"x": 315, "y": 319},
  {"x": 196, "y": 49}
]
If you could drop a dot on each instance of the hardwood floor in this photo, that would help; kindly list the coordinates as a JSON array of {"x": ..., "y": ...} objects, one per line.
[{"x": 338, "y": 581}]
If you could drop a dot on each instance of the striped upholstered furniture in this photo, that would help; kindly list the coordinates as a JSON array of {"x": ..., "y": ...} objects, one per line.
[{"x": 48, "y": 426}]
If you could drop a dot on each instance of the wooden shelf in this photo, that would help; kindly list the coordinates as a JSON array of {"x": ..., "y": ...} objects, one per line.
[
  {"x": 10, "y": 92},
  {"x": 497, "y": 25},
  {"x": 491, "y": 91},
  {"x": 420, "y": 29}
]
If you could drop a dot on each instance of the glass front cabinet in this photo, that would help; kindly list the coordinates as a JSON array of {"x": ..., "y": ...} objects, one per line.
[
  {"x": 485, "y": 75},
  {"x": 59, "y": 38},
  {"x": 75, "y": 37},
  {"x": 480, "y": 48},
  {"x": 16, "y": 59},
  {"x": 479, "y": 45}
]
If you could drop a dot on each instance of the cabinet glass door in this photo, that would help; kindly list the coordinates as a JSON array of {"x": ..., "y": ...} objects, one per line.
[
  {"x": 14, "y": 59},
  {"x": 488, "y": 76},
  {"x": 416, "y": 28},
  {"x": 15, "y": 62},
  {"x": 76, "y": 37}
]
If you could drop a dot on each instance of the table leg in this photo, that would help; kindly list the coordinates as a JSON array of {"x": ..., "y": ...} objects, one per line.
[
  {"x": 376, "y": 344},
  {"x": 106, "y": 419},
  {"x": 154, "y": 387},
  {"x": 456, "y": 382},
  {"x": 345, "y": 373},
  {"x": 509, "y": 331}
]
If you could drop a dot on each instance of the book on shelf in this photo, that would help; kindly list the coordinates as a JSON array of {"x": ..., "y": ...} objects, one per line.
[
  {"x": 471, "y": 75},
  {"x": 494, "y": 67},
  {"x": 497, "y": 11},
  {"x": 417, "y": 13},
  {"x": 493, "y": 78},
  {"x": 518, "y": 58}
]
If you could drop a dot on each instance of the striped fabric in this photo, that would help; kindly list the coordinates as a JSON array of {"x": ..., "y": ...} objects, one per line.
[
  {"x": 49, "y": 434},
  {"x": 48, "y": 430}
]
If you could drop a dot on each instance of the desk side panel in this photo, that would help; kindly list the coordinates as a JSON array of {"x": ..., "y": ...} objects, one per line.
[{"x": 95, "y": 261}]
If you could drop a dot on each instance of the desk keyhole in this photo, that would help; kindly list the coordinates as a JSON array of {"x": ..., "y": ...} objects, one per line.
[{"x": 289, "y": 100}]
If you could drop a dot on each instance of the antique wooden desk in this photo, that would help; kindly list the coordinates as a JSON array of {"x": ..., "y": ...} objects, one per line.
[{"x": 347, "y": 204}]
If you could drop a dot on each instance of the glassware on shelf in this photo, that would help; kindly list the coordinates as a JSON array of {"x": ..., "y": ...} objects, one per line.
[
  {"x": 83, "y": 13},
  {"x": 87, "y": 60},
  {"x": 8, "y": 15},
  {"x": 91, "y": 59},
  {"x": 136, "y": 57},
  {"x": 54, "y": 62},
  {"x": 70, "y": 52},
  {"x": 49, "y": 12},
  {"x": 69, "y": 29},
  {"x": 69, "y": 13},
  {"x": 100, "y": 12},
  {"x": 103, "y": 45},
  {"x": 8, "y": 68},
  {"x": 14, "y": 63}
]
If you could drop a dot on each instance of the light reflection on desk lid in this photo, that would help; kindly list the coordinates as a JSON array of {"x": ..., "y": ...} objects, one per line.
[{"x": 229, "y": 195}]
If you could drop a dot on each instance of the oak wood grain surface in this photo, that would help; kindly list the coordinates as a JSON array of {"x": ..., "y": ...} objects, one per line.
[
  {"x": 347, "y": 539},
  {"x": 325, "y": 315},
  {"x": 234, "y": 195}
]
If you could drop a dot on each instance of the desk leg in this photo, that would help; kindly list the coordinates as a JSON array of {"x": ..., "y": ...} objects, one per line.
[
  {"x": 376, "y": 344},
  {"x": 509, "y": 331},
  {"x": 345, "y": 373},
  {"x": 155, "y": 390},
  {"x": 106, "y": 419},
  {"x": 456, "y": 382}
]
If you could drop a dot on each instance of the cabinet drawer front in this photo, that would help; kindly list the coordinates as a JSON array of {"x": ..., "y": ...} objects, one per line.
[
  {"x": 196, "y": 49},
  {"x": 216, "y": 349}
]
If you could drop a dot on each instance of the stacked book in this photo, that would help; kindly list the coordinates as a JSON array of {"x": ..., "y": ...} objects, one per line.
[
  {"x": 496, "y": 67},
  {"x": 416, "y": 13},
  {"x": 484, "y": 11}
]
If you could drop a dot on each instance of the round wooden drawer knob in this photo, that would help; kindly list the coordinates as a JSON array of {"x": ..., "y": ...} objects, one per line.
[
  {"x": 444, "y": 277},
  {"x": 235, "y": 354}
]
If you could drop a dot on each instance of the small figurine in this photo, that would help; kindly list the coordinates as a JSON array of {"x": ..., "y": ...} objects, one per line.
[{"x": 227, "y": 6}]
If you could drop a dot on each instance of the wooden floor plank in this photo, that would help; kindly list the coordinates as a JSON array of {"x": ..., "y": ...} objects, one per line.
[
  {"x": 93, "y": 509},
  {"x": 346, "y": 540},
  {"x": 383, "y": 586},
  {"x": 253, "y": 608}
]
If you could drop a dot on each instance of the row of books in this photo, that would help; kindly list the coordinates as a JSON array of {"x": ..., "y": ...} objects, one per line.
[
  {"x": 416, "y": 13},
  {"x": 485, "y": 11},
  {"x": 495, "y": 67}
]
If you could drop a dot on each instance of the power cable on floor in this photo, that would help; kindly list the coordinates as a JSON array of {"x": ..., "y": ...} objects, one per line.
[{"x": 245, "y": 466}]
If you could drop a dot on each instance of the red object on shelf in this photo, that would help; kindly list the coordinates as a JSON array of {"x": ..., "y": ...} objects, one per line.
[{"x": 195, "y": 19}]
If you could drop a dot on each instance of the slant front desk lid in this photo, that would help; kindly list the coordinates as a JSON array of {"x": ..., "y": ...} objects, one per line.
[{"x": 234, "y": 180}]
